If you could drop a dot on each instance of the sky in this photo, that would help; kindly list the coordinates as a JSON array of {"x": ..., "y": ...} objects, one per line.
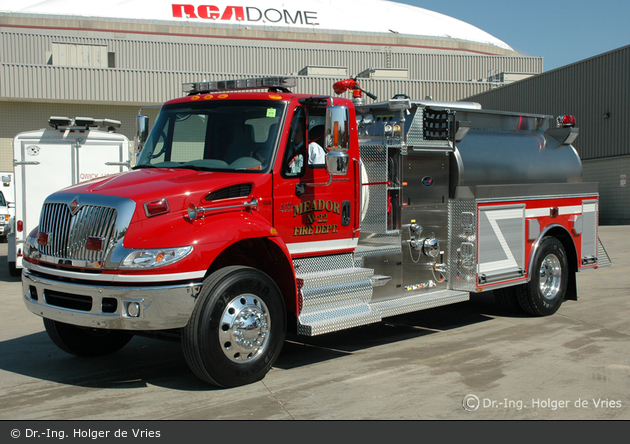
[{"x": 561, "y": 32}]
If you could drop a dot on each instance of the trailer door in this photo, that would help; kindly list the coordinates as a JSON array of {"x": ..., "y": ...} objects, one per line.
[
  {"x": 98, "y": 157},
  {"x": 42, "y": 167}
]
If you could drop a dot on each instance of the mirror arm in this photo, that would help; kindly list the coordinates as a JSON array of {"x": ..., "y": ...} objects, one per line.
[{"x": 300, "y": 187}]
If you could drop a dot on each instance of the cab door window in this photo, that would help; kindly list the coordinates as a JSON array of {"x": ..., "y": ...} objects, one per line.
[
  {"x": 295, "y": 153},
  {"x": 305, "y": 146}
]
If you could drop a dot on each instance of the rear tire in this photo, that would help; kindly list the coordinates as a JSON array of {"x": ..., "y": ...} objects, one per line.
[
  {"x": 83, "y": 341},
  {"x": 507, "y": 298},
  {"x": 546, "y": 290},
  {"x": 237, "y": 328}
]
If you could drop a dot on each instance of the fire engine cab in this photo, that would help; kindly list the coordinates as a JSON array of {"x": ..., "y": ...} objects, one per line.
[{"x": 250, "y": 214}]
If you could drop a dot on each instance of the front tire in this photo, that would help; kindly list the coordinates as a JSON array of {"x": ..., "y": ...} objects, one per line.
[
  {"x": 237, "y": 328},
  {"x": 83, "y": 341},
  {"x": 546, "y": 290}
]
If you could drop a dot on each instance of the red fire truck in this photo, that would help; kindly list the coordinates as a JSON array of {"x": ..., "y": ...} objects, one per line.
[{"x": 250, "y": 214}]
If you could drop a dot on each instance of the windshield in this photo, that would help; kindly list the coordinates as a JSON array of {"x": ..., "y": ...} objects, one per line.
[
  {"x": 216, "y": 135},
  {"x": 3, "y": 203}
]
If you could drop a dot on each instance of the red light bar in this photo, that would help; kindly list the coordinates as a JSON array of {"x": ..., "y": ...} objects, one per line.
[{"x": 239, "y": 84}]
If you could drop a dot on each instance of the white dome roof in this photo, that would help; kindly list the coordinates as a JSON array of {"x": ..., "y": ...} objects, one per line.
[{"x": 361, "y": 16}]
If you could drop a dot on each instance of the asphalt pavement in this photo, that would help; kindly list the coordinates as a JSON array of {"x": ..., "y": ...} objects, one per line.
[{"x": 469, "y": 361}]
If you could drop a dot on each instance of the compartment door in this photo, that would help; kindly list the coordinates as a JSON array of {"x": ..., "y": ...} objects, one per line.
[{"x": 501, "y": 243}]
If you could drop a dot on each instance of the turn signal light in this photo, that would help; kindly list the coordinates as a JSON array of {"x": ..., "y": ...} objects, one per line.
[
  {"x": 156, "y": 207},
  {"x": 336, "y": 135}
]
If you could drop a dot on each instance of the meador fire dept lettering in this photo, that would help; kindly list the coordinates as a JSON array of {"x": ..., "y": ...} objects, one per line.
[{"x": 253, "y": 211}]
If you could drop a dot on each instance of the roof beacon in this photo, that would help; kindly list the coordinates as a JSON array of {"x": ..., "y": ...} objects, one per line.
[
  {"x": 272, "y": 83},
  {"x": 566, "y": 121}
]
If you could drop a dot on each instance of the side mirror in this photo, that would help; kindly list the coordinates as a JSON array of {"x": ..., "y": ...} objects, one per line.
[
  {"x": 337, "y": 163},
  {"x": 337, "y": 132},
  {"x": 142, "y": 131}
]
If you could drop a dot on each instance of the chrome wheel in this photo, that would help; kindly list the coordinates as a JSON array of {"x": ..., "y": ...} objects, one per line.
[
  {"x": 244, "y": 328},
  {"x": 550, "y": 276}
]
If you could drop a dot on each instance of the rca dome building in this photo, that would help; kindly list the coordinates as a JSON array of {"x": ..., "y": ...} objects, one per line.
[{"x": 106, "y": 59}]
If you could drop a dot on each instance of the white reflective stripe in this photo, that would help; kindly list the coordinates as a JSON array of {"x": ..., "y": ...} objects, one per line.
[
  {"x": 105, "y": 278},
  {"x": 537, "y": 212},
  {"x": 575, "y": 209},
  {"x": 159, "y": 277},
  {"x": 318, "y": 246},
  {"x": 542, "y": 212},
  {"x": 498, "y": 265},
  {"x": 590, "y": 208}
]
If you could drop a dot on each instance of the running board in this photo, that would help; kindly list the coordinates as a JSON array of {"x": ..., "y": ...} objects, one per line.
[{"x": 417, "y": 302}]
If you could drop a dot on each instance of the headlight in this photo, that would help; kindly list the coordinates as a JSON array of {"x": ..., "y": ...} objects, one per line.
[
  {"x": 30, "y": 244},
  {"x": 154, "y": 258}
]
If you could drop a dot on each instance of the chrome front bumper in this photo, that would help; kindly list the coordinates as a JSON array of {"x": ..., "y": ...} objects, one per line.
[{"x": 110, "y": 307}]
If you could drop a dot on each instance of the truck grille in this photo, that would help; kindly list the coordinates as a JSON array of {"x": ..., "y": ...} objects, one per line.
[{"x": 68, "y": 233}]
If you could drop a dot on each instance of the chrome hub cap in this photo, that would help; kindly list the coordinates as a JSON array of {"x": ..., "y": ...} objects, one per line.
[
  {"x": 550, "y": 276},
  {"x": 244, "y": 328}
]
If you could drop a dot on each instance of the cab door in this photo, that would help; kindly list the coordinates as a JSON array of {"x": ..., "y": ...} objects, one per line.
[{"x": 312, "y": 213}]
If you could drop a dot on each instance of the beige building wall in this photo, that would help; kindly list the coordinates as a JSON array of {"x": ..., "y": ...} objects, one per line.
[{"x": 28, "y": 116}]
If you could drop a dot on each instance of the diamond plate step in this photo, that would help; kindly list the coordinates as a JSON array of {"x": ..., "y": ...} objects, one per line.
[
  {"x": 417, "y": 302},
  {"x": 333, "y": 299}
]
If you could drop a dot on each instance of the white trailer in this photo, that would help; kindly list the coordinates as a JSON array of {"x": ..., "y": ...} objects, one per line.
[
  {"x": 6, "y": 209},
  {"x": 45, "y": 160}
]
